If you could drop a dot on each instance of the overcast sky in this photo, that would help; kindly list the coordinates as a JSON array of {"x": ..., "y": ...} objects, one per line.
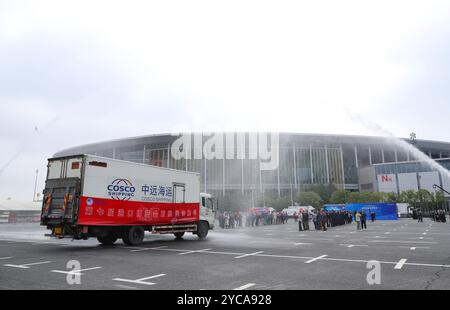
[{"x": 76, "y": 72}]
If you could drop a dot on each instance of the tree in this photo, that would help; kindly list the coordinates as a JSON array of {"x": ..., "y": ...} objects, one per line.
[
  {"x": 340, "y": 196},
  {"x": 309, "y": 199},
  {"x": 324, "y": 191}
]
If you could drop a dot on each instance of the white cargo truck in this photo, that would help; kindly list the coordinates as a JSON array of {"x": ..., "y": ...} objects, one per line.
[{"x": 90, "y": 196}]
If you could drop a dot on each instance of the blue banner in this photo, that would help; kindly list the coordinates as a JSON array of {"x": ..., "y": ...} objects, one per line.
[
  {"x": 383, "y": 211},
  {"x": 333, "y": 207}
]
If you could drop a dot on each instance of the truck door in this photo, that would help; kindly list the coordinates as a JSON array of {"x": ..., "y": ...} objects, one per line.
[
  {"x": 179, "y": 196},
  {"x": 62, "y": 191}
]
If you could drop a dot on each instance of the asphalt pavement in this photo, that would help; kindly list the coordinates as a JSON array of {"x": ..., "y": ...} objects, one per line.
[{"x": 410, "y": 255}]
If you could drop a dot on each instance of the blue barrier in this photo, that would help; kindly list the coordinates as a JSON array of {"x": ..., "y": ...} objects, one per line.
[{"x": 383, "y": 211}]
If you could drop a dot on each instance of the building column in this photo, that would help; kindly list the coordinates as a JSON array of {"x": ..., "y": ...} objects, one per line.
[
  {"x": 342, "y": 167},
  {"x": 278, "y": 180},
  {"x": 356, "y": 157},
  {"x": 326, "y": 164},
  {"x": 168, "y": 156},
  {"x": 311, "y": 162},
  {"x": 370, "y": 156},
  {"x": 396, "y": 156},
  {"x": 260, "y": 176},
  {"x": 204, "y": 175},
  {"x": 382, "y": 156},
  {"x": 295, "y": 166},
  {"x": 143, "y": 155},
  {"x": 242, "y": 175},
  {"x": 223, "y": 177}
]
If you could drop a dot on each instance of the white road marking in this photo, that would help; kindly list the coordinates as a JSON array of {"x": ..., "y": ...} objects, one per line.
[
  {"x": 146, "y": 249},
  {"x": 387, "y": 233},
  {"x": 315, "y": 258},
  {"x": 400, "y": 263},
  {"x": 414, "y": 248},
  {"x": 193, "y": 251},
  {"x": 322, "y": 239},
  {"x": 302, "y": 243},
  {"x": 142, "y": 280},
  {"x": 7, "y": 257},
  {"x": 75, "y": 272},
  {"x": 26, "y": 266},
  {"x": 424, "y": 233},
  {"x": 325, "y": 258},
  {"x": 250, "y": 254},
  {"x": 243, "y": 287},
  {"x": 399, "y": 241},
  {"x": 353, "y": 245}
]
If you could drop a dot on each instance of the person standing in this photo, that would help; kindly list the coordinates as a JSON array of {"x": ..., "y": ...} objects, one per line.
[
  {"x": 305, "y": 220},
  {"x": 358, "y": 220},
  {"x": 314, "y": 219},
  {"x": 300, "y": 223},
  {"x": 363, "y": 220},
  {"x": 419, "y": 216},
  {"x": 323, "y": 220}
]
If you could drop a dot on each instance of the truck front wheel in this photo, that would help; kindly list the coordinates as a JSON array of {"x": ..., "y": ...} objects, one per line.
[
  {"x": 133, "y": 235},
  {"x": 202, "y": 229},
  {"x": 107, "y": 239}
]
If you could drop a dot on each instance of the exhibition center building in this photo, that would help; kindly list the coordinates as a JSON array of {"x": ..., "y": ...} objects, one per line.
[{"x": 281, "y": 163}]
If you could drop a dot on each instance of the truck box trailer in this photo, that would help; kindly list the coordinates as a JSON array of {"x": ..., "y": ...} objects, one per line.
[{"x": 91, "y": 196}]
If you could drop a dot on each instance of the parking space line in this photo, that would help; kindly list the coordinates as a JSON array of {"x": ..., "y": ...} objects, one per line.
[
  {"x": 7, "y": 257},
  {"x": 399, "y": 241},
  {"x": 400, "y": 263},
  {"x": 353, "y": 245},
  {"x": 414, "y": 247},
  {"x": 302, "y": 243},
  {"x": 193, "y": 251},
  {"x": 26, "y": 266},
  {"x": 243, "y": 287},
  {"x": 250, "y": 254},
  {"x": 75, "y": 272},
  {"x": 146, "y": 249},
  {"x": 315, "y": 258},
  {"x": 141, "y": 280}
]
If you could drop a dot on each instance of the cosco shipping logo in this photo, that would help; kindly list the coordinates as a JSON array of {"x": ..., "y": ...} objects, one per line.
[{"x": 121, "y": 189}]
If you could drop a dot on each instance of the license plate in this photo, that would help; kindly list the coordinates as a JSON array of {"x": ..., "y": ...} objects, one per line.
[{"x": 57, "y": 230}]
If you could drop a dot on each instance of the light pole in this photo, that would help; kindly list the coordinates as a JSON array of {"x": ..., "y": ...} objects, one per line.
[{"x": 35, "y": 185}]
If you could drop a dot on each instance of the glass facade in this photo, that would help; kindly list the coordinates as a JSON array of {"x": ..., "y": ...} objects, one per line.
[{"x": 304, "y": 160}]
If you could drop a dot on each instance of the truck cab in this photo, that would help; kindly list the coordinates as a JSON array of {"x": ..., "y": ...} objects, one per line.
[{"x": 208, "y": 208}]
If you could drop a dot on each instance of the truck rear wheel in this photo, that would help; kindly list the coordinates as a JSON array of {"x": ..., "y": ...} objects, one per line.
[
  {"x": 133, "y": 235},
  {"x": 202, "y": 229},
  {"x": 107, "y": 239},
  {"x": 179, "y": 235}
]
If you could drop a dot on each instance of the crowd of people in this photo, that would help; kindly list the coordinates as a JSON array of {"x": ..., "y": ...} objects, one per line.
[
  {"x": 321, "y": 220},
  {"x": 439, "y": 216}
]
